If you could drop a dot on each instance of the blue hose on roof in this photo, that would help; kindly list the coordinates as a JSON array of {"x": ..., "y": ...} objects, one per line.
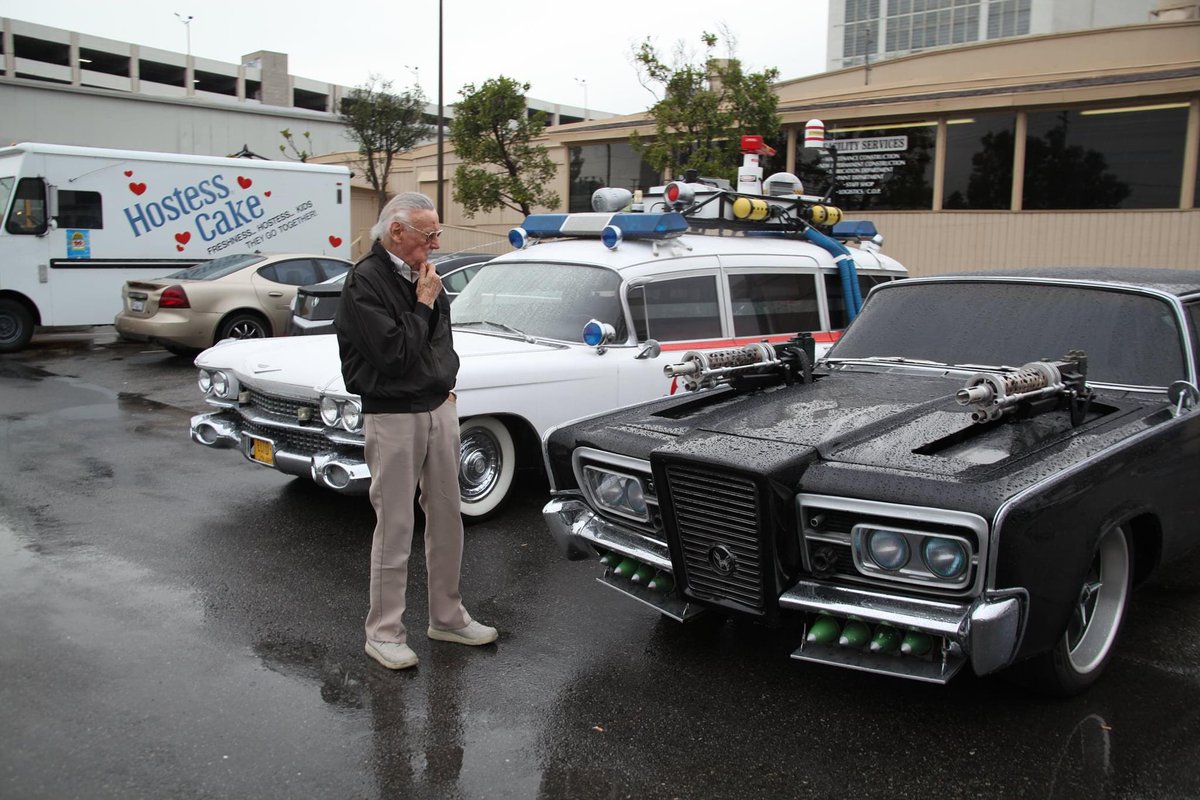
[{"x": 851, "y": 293}]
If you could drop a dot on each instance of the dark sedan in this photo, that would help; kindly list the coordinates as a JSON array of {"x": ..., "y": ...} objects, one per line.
[{"x": 978, "y": 474}]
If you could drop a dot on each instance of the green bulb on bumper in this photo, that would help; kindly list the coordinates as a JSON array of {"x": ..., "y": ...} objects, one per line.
[
  {"x": 824, "y": 630},
  {"x": 886, "y": 640},
  {"x": 855, "y": 634},
  {"x": 662, "y": 582},
  {"x": 916, "y": 643}
]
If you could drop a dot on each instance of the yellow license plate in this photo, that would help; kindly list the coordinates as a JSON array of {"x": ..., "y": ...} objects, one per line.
[{"x": 262, "y": 451}]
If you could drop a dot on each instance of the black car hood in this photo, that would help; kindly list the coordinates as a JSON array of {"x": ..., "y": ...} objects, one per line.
[{"x": 898, "y": 419}]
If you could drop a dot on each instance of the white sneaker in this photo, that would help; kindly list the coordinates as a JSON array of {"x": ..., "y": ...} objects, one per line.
[
  {"x": 392, "y": 655},
  {"x": 472, "y": 634}
]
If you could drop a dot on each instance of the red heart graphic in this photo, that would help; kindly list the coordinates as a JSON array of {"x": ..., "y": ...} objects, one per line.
[
  {"x": 244, "y": 182},
  {"x": 179, "y": 247},
  {"x": 336, "y": 241},
  {"x": 128, "y": 173},
  {"x": 184, "y": 237},
  {"x": 266, "y": 194},
  {"x": 137, "y": 188}
]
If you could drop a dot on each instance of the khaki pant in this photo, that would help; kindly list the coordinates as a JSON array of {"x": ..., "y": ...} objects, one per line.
[{"x": 405, "y": 451}]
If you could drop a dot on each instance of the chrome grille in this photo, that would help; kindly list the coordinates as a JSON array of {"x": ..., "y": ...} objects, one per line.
[
  {"x": 715, "y": 514},
  {"x": 292, "y": 441},
  {"x": 281, "y": 406}
]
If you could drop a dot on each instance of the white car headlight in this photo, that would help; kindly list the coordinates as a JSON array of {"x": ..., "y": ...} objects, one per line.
[
  {"x": 888, "y": 549},
  {"x": 331, "y": 411},
  {"x": 912, "y": 556},
  {"x": 616, "y": 492},
  {"x": 204, "y": 381},
  {"x": 946, "y": 558},
  {"x": 352, "y": 419}
]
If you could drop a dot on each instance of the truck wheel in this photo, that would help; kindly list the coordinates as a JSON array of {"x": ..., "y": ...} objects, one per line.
[
  {"x": 486, "y": 464},
  {"x": 16, "y": 326},
  {"x": 243, "y": 325},
  {"x": 1077, "y": 660}
]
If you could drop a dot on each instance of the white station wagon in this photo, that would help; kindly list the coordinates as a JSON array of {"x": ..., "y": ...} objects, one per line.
[{"x": 517, "y": 328}]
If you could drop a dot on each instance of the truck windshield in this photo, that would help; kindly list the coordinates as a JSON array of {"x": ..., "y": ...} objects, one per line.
[
  {"x": 551, "y": 301},
  {"x": 1130, "y": 339},
  {"x": 6, "y": 187}
]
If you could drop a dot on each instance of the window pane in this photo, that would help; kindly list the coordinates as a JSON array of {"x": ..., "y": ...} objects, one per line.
[
  {"x": 979, "y": 159},
  {"x": 884, "y": 168},
  {"x": 677, "y": 310},
  {"x": 837, "y": 301},
  {"x": 28, "y": 214},
  {"x": 1129, "y": 159},
  {"x": 769, "y": 304},
  {"x": 79, "y": 210},
  {"x": 614, "y": 165}
]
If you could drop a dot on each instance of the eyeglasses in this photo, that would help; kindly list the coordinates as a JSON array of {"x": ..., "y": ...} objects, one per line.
[{"x": 429, "y": 235}]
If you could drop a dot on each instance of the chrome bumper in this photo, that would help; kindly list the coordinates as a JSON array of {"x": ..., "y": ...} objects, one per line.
[
  {"x": 575, "y": 526},
  {"x": 341, "y": 472},
  {"x": 986, "y": 631}
]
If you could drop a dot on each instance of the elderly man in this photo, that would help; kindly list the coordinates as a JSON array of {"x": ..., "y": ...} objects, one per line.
[{"x": 393, "y": 329}]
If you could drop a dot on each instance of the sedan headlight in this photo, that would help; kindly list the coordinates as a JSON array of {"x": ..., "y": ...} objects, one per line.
[
  {"x": 331, "y": 411},
  {"x": 342, "y": 412},
  {"x": 616, "y": 492},
  {"x": 946, "y": 558},
  {"x": 912, "y": 556},
  {"x": 217, "y": 383}
]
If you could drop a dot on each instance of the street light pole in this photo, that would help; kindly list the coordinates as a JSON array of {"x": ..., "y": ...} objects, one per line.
[
  {"x": 187, "y": 24},
  {"x": 441, "y": 126}
]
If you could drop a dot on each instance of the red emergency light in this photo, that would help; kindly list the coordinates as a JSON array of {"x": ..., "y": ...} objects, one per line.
[{"x": 753, "y": 143}]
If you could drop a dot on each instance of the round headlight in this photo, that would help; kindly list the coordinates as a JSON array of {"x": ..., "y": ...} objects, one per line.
[
  {"x": 330, "y": 411},
  {"x": 220, "y": 383},
  {"x": 204, "y": 381},
  {"x": 611, "y": 489},
  {"x": 946, "y": 558},
  {"x": 888, "y": 549},
  {"x": 635, "y": 497},
  {"x": 352, "y": 416}
]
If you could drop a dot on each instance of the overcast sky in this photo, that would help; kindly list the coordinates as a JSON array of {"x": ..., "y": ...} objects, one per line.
[{"x": 562, "y": 49}]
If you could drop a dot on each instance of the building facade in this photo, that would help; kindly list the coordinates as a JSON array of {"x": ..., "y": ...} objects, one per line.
[{"x": 868, "y": 31}]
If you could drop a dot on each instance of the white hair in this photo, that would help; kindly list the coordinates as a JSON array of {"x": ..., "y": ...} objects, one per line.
[{"x": 398, "y": 209}]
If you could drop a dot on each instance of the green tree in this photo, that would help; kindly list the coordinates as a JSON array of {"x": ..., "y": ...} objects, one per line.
[
  {"x": 705, "y": 108},
  {"x": 301, "y": 154},
  {"x": 383, "y": 124},
  {"x": 494, "y": 136}
]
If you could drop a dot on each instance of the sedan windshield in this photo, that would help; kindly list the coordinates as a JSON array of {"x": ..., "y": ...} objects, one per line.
[
  {"x": 551, "y": 301},
  {"x": 217, "y": 268},
  {"x": 1129, "y": 339}
]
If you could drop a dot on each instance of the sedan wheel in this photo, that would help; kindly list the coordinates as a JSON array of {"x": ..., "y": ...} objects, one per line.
[
  {"x": 1085, "y": 648},
  {"x": 486, "y": 465},
  {"x": 243, "y": 326}
]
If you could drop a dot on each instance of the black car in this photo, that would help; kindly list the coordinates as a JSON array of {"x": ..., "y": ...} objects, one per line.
[
  {"x": 315, "y": 304},
  {"x": 978, "y": 472}
]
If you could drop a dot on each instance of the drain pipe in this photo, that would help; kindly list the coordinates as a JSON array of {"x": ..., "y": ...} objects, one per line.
[{"x": 851, "y": 293}]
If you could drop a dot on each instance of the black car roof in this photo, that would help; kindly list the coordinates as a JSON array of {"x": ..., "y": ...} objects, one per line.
[{"x": 1179, "y": 282}]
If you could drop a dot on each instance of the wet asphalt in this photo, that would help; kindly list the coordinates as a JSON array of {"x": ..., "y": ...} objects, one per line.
[{"x": 177, "y": 622}]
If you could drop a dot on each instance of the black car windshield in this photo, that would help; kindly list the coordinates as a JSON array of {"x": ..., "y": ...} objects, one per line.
[
  {"x": 551, "y": 301},
  {"x": 1130, "y": 339},
  {"x": 218, "y": 267}
]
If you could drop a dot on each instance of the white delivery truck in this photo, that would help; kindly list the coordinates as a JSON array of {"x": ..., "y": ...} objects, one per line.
[{"x": 77, "y": 222}]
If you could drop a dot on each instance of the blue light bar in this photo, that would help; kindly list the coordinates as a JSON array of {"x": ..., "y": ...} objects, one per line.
[
  {"x": 591, "y": 225},
  {"x": 855, "y": 229}
]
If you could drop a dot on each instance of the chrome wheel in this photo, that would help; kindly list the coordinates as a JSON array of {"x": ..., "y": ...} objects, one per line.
[
  {"x": 486, "y": 465},
  {"x": 1100, "y": 606}
]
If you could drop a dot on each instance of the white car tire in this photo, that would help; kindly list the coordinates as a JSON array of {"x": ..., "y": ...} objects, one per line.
[{"x": 486, "y": 466}]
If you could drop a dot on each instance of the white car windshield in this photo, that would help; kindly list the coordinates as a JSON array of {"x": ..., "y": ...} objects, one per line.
[{"x": 550, "y": 301}]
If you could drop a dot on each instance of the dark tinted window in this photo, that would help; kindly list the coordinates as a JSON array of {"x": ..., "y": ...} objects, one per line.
[
  {"x": 1105, "y": 158},
  {"x": 297, "y": 272},
  {"x": 331, "y": 269},
  {"x": 456, "y": 281},
  {"x": 676, "y": 310},
  {"x": 887, "y": 168},
  {"x": 79, "y": 210},
  {"x": 1129, "y": 338},
  {"x": 770, "y": 304},
  {"x": 979, "y": 161}
]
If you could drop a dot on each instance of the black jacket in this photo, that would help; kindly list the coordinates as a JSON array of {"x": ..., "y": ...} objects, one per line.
[{"x": 397, "y": 354}]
